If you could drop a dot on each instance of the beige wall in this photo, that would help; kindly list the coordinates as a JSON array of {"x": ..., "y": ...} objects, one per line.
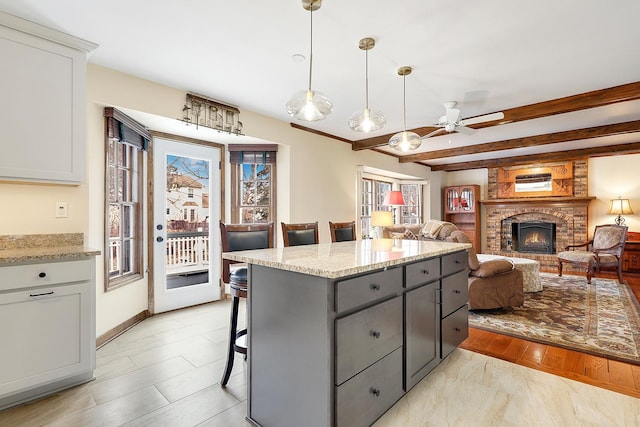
[
  {"x": 316, "y": 181},
  {"x": 609, "y": 177}
]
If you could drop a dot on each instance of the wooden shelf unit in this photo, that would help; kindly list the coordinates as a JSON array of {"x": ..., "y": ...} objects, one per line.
[{"x": 462, "y": 208}]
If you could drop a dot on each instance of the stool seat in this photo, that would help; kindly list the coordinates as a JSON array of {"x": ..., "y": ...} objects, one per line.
[{"x": 239, "y": 275}]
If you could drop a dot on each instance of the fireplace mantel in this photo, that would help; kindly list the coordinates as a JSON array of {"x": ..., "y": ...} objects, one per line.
[{"x": 538, "y": 201}]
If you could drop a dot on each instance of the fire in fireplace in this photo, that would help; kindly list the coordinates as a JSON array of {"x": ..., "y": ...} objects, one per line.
[{"x": 537, "y": 237}]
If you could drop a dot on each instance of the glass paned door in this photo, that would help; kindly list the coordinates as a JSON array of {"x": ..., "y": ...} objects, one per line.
[{"x": 186, "y": 216}]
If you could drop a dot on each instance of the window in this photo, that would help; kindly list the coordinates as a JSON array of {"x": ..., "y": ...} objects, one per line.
[
  {"x": 411, "y": 212},
  {"x": 125, "y": 141},
  {"x": 372, "y": 197},
  {"x": 253, "y": 183},
  {"x": 373, "y": 192}
]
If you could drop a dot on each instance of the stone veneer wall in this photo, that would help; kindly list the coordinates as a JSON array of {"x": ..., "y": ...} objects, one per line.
[{"x": 570, "y": 214}]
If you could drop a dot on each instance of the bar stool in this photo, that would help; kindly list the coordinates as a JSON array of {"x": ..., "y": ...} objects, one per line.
[
  {"x": 240, "y": 237},
  {"x": 299, "y": 234},
  {"x": 342, "y": 231}
]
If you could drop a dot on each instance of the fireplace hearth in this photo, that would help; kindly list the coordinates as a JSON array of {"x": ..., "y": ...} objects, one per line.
[{"x": 537, "y": 237}]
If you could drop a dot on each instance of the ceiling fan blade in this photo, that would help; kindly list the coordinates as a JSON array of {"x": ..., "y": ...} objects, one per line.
[
  {"x": 465, "y": 130},
  {"x": 435, "y": 132},
  {"x": 480, "y": 119}
]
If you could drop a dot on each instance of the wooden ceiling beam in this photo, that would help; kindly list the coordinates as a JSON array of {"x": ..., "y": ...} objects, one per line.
[
  {"x": 529, "y": 141},
  {"x": 608, "y": 150},
  {"x": 593, "y": 99}
]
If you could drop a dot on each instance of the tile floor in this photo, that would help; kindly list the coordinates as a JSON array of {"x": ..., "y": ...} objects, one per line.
[{"x": 166, "y": 371}]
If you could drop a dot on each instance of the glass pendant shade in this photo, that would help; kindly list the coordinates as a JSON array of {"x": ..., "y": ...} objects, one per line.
[
  {"x": 367, "y": 121},
  {"x": 309, "y": 105},
  {"x": 405, "y": 141}
]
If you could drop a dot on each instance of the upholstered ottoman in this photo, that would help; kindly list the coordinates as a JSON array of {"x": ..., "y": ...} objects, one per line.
[{"x": 530, "y": 270}]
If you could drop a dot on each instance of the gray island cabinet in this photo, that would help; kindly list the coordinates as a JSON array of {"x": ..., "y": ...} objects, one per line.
[{"x": 339, "y": 332}]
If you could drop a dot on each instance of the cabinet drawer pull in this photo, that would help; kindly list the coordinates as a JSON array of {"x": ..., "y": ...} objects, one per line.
[
  {"x": 41, "y": 295},
  {"x": 457, "y": 291},
  {"x": 374, "y": 287},
  {"x": 375, "y": 334},
  {"x": 375, "y": 391},
  {"x": 457, "y": 261},
  {"x": 425, "y": 271},
  {"x": 43, "y": 274},
  {"x": 458, "y": 330}
]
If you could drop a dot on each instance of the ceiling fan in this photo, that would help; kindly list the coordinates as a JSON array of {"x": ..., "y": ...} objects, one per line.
[{"x": 451, "y": 121}]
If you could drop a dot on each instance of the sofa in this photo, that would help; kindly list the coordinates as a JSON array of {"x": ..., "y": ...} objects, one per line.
[
  {"x": 493, "y": 283},
  {"x": 431, "y": 230}
]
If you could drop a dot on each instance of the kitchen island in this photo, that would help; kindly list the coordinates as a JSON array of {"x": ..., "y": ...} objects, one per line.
[{"x": 339, "y": 332}]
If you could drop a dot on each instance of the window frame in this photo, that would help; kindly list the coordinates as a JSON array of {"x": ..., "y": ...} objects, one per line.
[
  {"x": 379, "y": 186},
  {"x": 130, "y": 137},
  {"x": 237, "y": 178}
]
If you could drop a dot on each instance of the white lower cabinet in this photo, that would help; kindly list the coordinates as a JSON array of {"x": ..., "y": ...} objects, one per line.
[{"x": 47, "y": 328}]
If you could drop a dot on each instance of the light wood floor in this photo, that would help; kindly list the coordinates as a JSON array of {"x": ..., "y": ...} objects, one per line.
[{"x": 166, "y": 371}]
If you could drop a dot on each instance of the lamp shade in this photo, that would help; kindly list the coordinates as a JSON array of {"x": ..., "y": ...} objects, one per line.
[
  {"x": 393, "y": 198},
  {"x": 309, "y": 105},
  {"x": 620, "y": 207},
  {"x": 405, "y": 141},
  {"x": 381, "y": 218}
]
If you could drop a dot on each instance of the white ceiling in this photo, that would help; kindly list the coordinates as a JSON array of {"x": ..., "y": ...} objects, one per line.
[{"x": 488, "y": 55}]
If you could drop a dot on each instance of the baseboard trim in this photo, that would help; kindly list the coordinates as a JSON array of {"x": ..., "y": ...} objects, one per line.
[{"x": 121, "y": 328}]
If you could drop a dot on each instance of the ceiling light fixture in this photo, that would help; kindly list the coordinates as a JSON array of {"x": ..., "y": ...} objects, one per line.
[
  {"x": 310, "y": 105},
  {"x": 405, "y": 141},
  {"x": 365, "y": 121}
]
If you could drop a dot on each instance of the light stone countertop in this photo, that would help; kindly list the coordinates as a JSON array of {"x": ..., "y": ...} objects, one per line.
[
  {"x": 46, "y": 254},
  {"x": 335, "y": 260},
  {"x": 34, "y": 248}
]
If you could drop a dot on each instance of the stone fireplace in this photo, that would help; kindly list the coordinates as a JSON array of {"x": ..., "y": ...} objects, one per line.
[{"x": 564, "y": 216}]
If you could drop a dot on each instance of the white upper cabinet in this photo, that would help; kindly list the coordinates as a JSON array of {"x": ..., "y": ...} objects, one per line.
[{"x": 42, "y": 103}]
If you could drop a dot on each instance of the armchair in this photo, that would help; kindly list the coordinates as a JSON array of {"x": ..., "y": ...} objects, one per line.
[
  {"x": 492, "y": 284},
  {"x": 604, "y": 250}
]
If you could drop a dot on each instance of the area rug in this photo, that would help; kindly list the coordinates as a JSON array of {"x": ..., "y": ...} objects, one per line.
[{"x": 600, "y": 319}]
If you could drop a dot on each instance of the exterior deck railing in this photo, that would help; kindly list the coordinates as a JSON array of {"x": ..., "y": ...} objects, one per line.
[{"x": 187, "y": 252}]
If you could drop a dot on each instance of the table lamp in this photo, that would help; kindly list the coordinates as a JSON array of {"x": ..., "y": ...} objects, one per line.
[
  {"x": 393, "y": 199},
  {"x": 381, "y": 219},
  {"x": 620, "y": 207}
]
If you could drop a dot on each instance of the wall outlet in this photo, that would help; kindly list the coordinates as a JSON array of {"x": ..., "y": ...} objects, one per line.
[{"x": 62, "y": 209}]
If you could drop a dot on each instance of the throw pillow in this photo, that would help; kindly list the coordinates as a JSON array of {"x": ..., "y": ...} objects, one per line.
[
  {"x": 460, "y": 237},
  {"x": 407, "y": 235},
  {"x": 432, "y": 228},
  {"x": 388, "y": 229},
  {"x": 493, "y": 267},
  {"x": 446, "y": 230}
]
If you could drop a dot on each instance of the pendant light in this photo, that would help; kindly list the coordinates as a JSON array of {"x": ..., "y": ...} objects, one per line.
[
  {"x": 405, "y": 141},
  {"x": 310, "y": 105},
  {"x": 364, "y": 120}
]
